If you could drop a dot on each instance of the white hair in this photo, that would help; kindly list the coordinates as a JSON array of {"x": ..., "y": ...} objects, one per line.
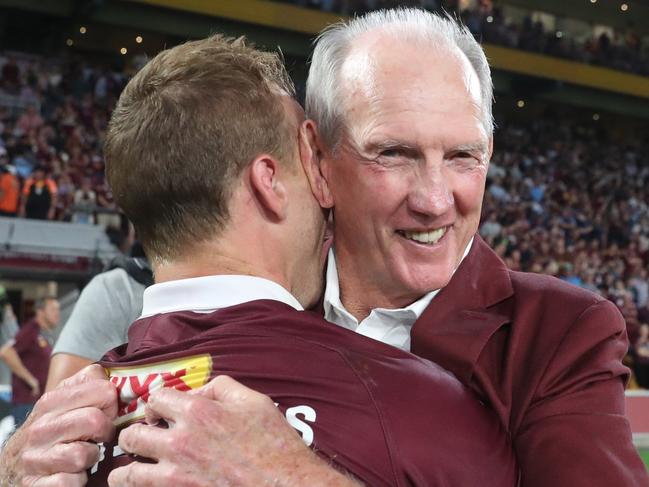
[{"x": 324, "y": 101}]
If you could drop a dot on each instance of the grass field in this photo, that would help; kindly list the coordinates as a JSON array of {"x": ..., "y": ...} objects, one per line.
[{"x": 645, "y": 456}]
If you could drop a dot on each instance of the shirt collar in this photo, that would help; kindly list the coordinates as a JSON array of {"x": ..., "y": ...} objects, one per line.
[
  {"x": 209, "y": 293},
  {"x": 335, "y": 311}
]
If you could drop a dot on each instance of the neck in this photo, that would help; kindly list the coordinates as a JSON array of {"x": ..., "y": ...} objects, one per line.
[
  {"x": 361, "y": 293},
  {"x": 218, "y": 258},
  {"x": 42, "y": 324}
]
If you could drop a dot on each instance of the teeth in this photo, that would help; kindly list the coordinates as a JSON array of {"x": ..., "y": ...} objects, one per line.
[{"x": 431, "y": 237}]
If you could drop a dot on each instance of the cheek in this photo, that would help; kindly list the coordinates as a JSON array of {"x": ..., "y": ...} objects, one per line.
[
  {"x": 468, "y": 193},
  {"x": 363, "y": 191}
]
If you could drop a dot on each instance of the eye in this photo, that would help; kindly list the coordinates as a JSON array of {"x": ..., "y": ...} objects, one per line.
[
  {"x": 466, "y": 158},
  {"x": 464, "y": 155},
  {"x": 394, "y": 152}
]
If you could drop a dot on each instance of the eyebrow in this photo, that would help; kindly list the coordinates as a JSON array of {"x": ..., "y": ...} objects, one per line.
[{"x": 478, "y": 146}]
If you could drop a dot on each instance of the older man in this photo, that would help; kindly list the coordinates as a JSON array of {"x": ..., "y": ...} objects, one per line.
[
  {"x": 402, "y": 101},
  {"x": 403, "y": 104}
]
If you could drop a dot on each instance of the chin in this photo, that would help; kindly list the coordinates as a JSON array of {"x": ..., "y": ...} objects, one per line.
[{"x": 427, "y": 279}]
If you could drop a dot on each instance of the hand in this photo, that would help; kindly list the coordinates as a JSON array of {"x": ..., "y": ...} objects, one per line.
[
  {"x": 57, "y": 443},
  {"x": 222, "y": 434},
  {"x": 34, "y": 386}
]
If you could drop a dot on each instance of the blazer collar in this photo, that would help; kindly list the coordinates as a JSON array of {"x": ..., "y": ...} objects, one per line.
[{"x": 458, "y": 323}]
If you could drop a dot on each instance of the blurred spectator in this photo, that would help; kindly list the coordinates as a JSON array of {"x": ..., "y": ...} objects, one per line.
[
  {"x": 8, "y": 330},
  {"x": 39, "y": 196},
  {"x": 642, "y": 357},
  {"x": 9, "y": 186},
  {"x": 10, "y": 76},
  {"x": 30, "y": 121},
  {"x": 85, "y": 200},
  {"x": 28, "y": 357}
]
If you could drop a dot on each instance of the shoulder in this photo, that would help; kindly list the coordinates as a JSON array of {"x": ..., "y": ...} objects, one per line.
[
  {"x": 27, "y": 331},
  {"x": 544, "y": 288},
  {"x": 115, "y": 281},
  {"x": 563, "y": 307}
]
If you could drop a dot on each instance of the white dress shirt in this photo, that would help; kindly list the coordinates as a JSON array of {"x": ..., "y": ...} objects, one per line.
[
  {"x": 390, "y": 326},
  {"x": 209, "y": 293}
]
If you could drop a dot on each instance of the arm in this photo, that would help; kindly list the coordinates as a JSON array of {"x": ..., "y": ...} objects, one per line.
[
  {"x": 99, "y": 322},
  {"x": 244, "y": 440},
  {"x": 53, "y": 201},
  {"x": 59, "y": 440},
  {"x": 10, "y": 356},
  {"x": 575, "y": 431},
  {"x": 62, "y": 366}
]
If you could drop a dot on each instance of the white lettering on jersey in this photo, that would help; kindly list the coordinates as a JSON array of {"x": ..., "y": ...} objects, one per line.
[{"x": 304, "y": 429}]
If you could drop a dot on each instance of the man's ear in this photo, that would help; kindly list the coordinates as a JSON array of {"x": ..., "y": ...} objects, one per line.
[
  {"x": 311, "y": 156},
  {"x": 269, "y": 193}
]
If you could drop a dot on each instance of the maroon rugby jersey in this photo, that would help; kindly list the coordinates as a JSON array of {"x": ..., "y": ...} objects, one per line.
[{"x": 385, "y": 415}]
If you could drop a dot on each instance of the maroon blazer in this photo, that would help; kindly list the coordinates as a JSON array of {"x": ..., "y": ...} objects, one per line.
[{"x": 547, "y": 356}]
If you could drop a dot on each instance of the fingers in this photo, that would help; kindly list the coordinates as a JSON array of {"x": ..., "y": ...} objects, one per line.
[
  {"x": 144, "y": 475},
  {"x": 225, "y": 389},
  {"x": 71, "y": 458},
  {"x": 173, "y": 406},
  {"x": 58, "y": 480},
  {"x": 87, "y": 374},
  {"x": 84, "y": 424},
  {"x": 146, "y": 441},
  {"x": 98, "y": 393}
]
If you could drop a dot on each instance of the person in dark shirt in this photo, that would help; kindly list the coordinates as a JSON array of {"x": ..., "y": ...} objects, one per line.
[
  {"x": 39, "y": 196},
  {"x": 28, "y": 357}
]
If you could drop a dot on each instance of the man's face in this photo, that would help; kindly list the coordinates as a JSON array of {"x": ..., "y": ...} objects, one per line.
[
  {"x": 51, "y": 313},
  {"x": 408, "y": 178}
]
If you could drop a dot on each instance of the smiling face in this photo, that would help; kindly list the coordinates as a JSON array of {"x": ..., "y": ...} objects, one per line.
[{"x": 408, "y": 177}]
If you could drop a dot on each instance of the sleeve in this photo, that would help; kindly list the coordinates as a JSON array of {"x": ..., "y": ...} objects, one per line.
[
  {"x": 101, "y": 317},
  {"x": 52, "y": 186},
  {"x": 8, "y": 330},
  {"x": 575, "y": 431},
  {"x": 24, "y": 338}
]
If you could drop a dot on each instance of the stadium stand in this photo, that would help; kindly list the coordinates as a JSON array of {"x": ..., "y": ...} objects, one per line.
[{"x": 489, "y": 23}]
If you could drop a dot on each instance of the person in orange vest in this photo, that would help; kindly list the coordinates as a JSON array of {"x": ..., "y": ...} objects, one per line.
[{"x": 9, "y": 186}]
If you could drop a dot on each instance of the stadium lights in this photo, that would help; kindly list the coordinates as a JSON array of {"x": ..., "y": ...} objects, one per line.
[
  {"x": 490, "y": 19},
  {"x": 596, "y": 116},
  {"x": 593, "y": 1},
  {"x": 123, "y": 50},
  {"x": 624, "y": 7},
  {"x": 559, "y": 34},
  {"x": 139, "y": 39},
  {"x": 69, "y": 42},
  {"x": 83, "y": 30},
  {"x": 520, "y": 103}
]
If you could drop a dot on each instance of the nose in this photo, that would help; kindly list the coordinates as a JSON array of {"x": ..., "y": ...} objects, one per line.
[{"x": 431, "y": 193}]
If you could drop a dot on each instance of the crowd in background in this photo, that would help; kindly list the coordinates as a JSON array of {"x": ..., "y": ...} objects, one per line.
[
  {"x": 621, "y": 50},
  {"x": 561, "y": 199},
  {"x": 53, "y": 116}
]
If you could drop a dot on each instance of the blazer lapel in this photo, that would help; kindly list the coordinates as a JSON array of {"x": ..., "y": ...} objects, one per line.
[{"x": 459, "y": 321}]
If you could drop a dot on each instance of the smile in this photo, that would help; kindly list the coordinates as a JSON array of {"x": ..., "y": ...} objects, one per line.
[{"x": 430, "y": 237}]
